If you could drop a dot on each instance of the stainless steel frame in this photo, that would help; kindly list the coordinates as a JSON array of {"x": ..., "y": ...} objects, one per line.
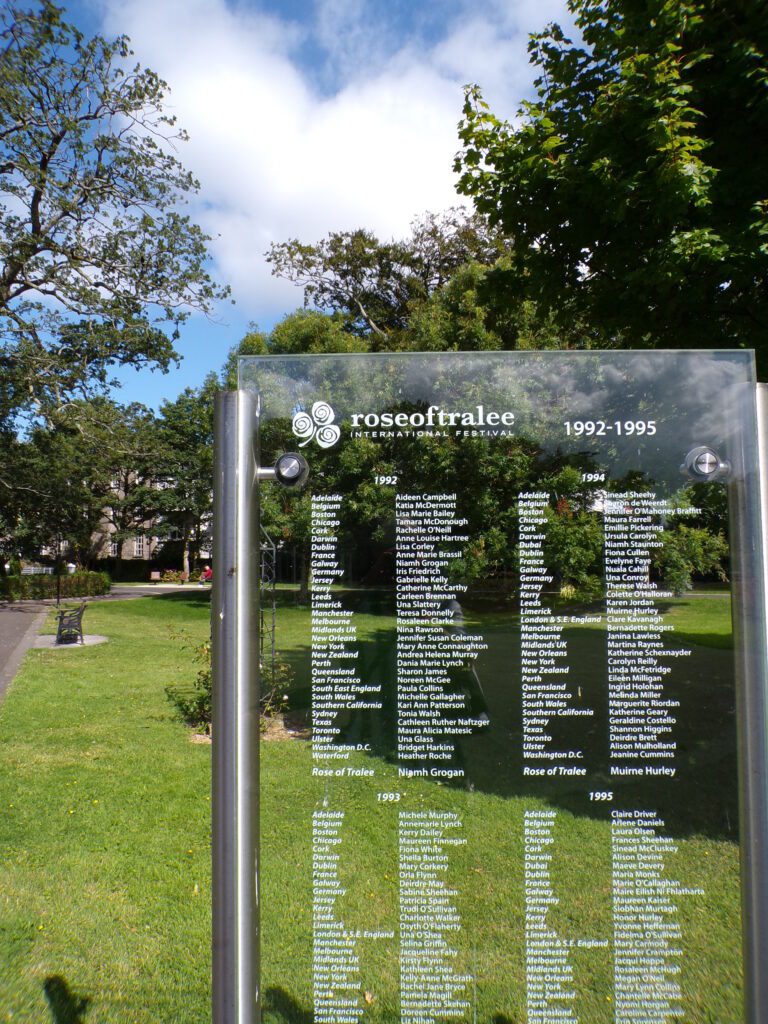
[
  {"x": 235, "y": 786},
  {"x": 750, "y": 623}
]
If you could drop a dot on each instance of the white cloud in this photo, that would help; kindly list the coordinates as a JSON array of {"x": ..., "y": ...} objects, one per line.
[
  {"x": 351, "y": 38},
  {"x": 278, "y": 157}
]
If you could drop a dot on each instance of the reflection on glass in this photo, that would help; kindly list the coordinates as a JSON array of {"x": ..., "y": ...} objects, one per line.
[{"x": 499, "y": 764}]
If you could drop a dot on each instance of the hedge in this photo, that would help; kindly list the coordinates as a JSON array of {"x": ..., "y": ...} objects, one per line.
[{"x": 40, "y": 587}]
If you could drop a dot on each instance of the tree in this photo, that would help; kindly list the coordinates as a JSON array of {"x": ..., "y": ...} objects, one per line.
[
  {"x": 688, "y": 551},
  {"x": 301, "y": 332},
  {"x": 479, "y": 309},
  {"x": 376, "y": 285},
  {"x": 74, "y": 484},
  {"x": 634, "y": 189},
  {"x": 445, "y": 288},
  {"x": 95, "y": 257},
  {"x": 181, "y": 496},
  {"x": 123, "y": 441}
]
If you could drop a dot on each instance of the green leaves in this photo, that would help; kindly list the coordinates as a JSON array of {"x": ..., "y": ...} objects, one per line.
[
  {"x": 633, "y": 188},
  {"x": 90, "y": 230},
  {"x": 376, "y": 286},
  {"x": 75, "y": 481}
]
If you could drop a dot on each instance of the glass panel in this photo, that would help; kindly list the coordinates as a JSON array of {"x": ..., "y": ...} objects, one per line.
[{"x": 499, "y": 762}]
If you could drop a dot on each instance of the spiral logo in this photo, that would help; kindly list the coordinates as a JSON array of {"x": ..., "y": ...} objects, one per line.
[
  {"x": 322, "y": 413},
  {"x": 318, "y": 424}
]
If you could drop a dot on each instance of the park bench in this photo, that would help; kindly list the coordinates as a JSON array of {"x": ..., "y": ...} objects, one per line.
[
  {"x": 70, "y": 626},
  {"x": 168, "y": 576}
]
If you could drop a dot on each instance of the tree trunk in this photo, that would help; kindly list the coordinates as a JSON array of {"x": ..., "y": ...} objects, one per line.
[
  {"x": 304, "y": 577},
  {"x": 185, "y": 552}
]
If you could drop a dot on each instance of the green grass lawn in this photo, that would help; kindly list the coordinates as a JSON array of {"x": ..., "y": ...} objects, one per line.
[
  {"x": 703, "y": 618},
  {"x": 700, "y": 808},
  {"x": 105, "y": 833},
  {"x": 488, "y": 876},
  {"x": 105, "y": 829}
]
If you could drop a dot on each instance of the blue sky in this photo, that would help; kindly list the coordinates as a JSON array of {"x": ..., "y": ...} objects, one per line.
[{"x": 307, "y": 116}]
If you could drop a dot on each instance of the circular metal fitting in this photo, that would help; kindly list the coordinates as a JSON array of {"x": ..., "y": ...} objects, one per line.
[
  {"x": 707, "y": 463},
  {"x": 291, "y": 470},
  {"x": 703, "y": 463}
]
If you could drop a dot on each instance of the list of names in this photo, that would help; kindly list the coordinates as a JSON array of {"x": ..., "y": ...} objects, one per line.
[
  {"x": 440, "y": 704},
  {"x": 646, "y": 926},
  {"x": 432, "y": 711},
  {"x": 431, "y": 988},
  {"x": 548, "y": 969},
  {"x": 336, "y": 683},
  {"x": 642, "y": 716}
]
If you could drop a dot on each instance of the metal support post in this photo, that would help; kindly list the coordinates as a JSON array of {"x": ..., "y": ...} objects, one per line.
[
  {"x": 752, "y": 563},
  {"x": 235, "y": 786}
]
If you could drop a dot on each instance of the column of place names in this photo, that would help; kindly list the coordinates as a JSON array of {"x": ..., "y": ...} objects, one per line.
[
  {"x": 548, "y": 692},
  {"x": 335, "y": 960},
  {"x": 646, "y": 931},
  {"x": 431, "y": 988},
  {"x": 642, "y": 715},
  {"x": 431, "y": 714},
  {"x": 336, "y": 686},
  {"x": 336, "y": 683},
  {"x": 548, "y": 969}
]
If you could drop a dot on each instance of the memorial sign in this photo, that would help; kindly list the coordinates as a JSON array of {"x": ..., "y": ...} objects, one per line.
[{"x": 505, "y": 785}]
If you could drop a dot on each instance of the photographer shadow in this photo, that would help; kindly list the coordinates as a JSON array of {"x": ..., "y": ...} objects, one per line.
[
  {"x": 65, "y": 1006},
  {"x": 288, "y": 1011}
]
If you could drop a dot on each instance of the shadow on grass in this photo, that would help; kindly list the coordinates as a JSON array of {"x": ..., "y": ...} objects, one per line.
[
  {"x": 66, "y": 1007},
  {"x": 286, "y": 1010},
  {"x": 717, "y": 641},
  {"x": 190, "y": 598},
  {"x": 700, "y": 685},
  {"x": 279, "y": 1002}
]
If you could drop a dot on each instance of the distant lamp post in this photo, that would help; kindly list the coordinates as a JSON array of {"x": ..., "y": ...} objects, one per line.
[
  {"x": 59, "y": 556},
  {"x": 58, "y": 570}
]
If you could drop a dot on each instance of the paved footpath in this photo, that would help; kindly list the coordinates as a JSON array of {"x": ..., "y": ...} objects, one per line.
[{"x": 21, "y": 621}]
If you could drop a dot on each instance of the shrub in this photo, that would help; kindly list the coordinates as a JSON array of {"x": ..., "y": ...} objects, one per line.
[
  {"x": 194, "y": 703},
  {"x": 44, "y": 587},
  {"x": 275, "y": 686},
  {"x": 129, "y": 570},
  {"x": 690, "y": 551}
]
